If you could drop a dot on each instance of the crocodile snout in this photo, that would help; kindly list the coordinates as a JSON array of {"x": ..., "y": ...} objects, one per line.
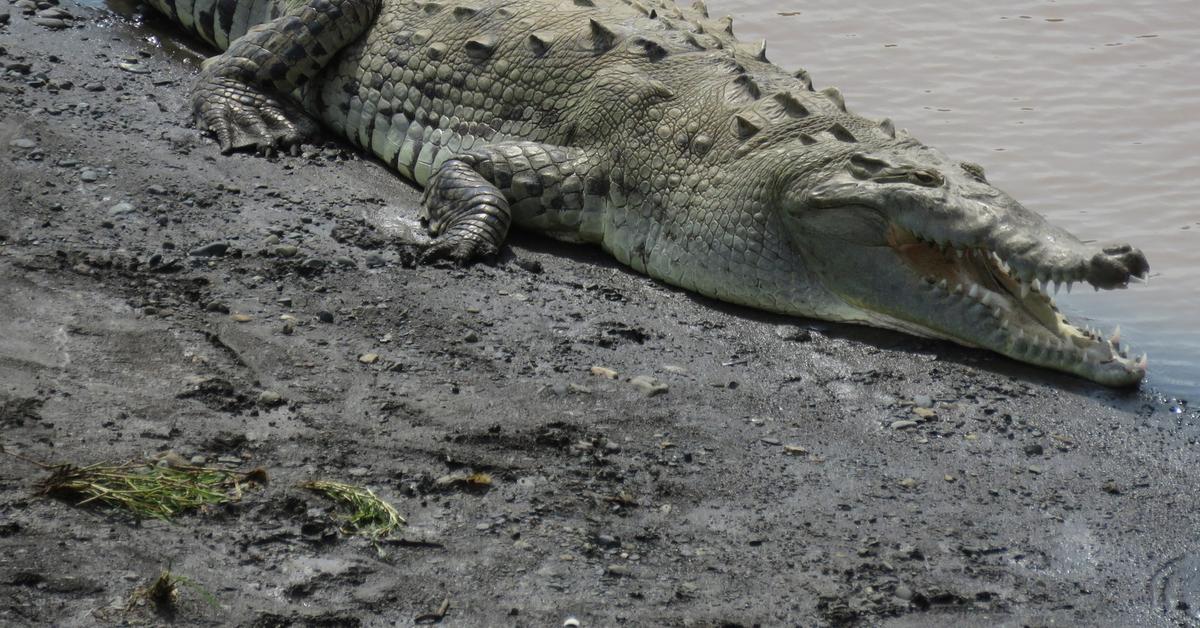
[{"x": 1113, "y": 267}]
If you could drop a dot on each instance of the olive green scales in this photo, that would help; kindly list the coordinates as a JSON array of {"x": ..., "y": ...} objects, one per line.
[{"x": 651, "y": 130}]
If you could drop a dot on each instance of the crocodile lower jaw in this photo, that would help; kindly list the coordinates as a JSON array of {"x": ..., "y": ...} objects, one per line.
[{"x": 1013, "y": 316}]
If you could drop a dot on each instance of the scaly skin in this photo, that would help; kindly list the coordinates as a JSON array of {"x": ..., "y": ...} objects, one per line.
[{"x": 652, "y": 131}]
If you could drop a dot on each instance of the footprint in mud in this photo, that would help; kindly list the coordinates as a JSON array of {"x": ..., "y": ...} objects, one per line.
[{"x": 1176, "y": 587}]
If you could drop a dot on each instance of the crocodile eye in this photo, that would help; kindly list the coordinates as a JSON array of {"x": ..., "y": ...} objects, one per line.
[
  {"x": 927, "y": 178},
  {"x": 975, "y": 170}
]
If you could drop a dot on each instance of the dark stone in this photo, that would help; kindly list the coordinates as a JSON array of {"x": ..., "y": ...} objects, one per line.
[{"x": 215, "y": 249}]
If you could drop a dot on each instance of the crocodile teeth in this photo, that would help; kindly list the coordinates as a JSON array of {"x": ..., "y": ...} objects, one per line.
[
  {"x": 1024, "y": 290},
  {"x": 1143, "y": 361},
  {"x": 974, "y": 293},
  {"x": 1115, "y": 339}
]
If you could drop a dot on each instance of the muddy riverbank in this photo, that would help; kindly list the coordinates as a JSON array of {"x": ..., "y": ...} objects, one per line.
[{"x": 785, "y": 473}]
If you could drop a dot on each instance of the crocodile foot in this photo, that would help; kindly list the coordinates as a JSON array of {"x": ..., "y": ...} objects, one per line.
[
  {"x": 241, "y": 116},
  {"x": 468, "y": 216},
  {"x": 459, "y": 249}
]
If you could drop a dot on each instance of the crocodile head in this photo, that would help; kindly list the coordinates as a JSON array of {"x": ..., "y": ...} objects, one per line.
[{"x": 908, "y": 239}]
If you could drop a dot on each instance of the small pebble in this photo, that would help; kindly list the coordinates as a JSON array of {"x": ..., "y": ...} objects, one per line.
[
  {"x": 89, "y": 176},
  {"x": 471, "y": 337},
  {"x": 133, "y": 68},
  {"x": 121, "y": 209},
  {"x": 242, "y": 318},
  {"x": 54, "y": 13},
  {"x": 269, "y": 398},
  {"x": 793, "y": 333},
  {"x": 22, "y": 142},
  {"x": 649, "y": 386},
  {"x": 215, "y": 249},
  {"x": 325, "y": 316},
  {"x": 924, "y": 413},
  {"x": 368, "y": 358},
  {"x": 48, "y": 22},
  {"x": 286, "y": 250},
  {"x": 903, "y": 425},
  {"x": 606, "y": 373}
]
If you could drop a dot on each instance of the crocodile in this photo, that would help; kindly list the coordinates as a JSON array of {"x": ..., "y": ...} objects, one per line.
[{"x": 650, "y": 129}]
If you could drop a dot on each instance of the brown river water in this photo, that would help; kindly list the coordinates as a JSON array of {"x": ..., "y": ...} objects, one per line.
[{"x": 1088, "y": 112}]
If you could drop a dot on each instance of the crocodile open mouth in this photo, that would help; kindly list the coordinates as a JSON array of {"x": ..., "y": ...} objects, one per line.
[{"x": 1014, "y": 311}]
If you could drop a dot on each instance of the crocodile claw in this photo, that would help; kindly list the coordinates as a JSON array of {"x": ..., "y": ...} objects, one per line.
[
  {"x": 459, "y": 249},
  {"x": 242, "y": 117}
]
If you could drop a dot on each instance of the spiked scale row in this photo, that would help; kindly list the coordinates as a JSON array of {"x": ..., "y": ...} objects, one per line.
[{"x": 697, "y": 31}]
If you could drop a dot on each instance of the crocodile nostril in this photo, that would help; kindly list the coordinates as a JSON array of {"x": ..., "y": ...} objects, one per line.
[{"x": 1112, "y": 267}]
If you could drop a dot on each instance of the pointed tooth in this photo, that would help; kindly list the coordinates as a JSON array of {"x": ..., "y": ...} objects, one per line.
[
  {"x": 1024, "y": 290},
  {"x": 1003, "y": 322},
  {"x": 1057, "y": 287},
  {"x": 958, "y": 289},
  {"x": 998, "y": 314},
  {"x": 1116, "y": 336},
  {"x": 974, "y": 293},
  {"x": 1143, "y": 361},
  {"x": 1069, "y": 285},
  {"x": 1136, "y": 279},
  {"x": 944, "y": 285}
]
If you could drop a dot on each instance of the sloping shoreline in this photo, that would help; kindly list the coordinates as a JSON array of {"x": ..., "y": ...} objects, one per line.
[{"x": 791, "y": 473}]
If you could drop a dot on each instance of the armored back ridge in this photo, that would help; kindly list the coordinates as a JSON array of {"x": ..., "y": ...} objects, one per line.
[{"x": 651, "y": 130}]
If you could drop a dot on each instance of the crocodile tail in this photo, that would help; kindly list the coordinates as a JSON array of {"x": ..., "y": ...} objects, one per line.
[{"x": 219, "y": 22}]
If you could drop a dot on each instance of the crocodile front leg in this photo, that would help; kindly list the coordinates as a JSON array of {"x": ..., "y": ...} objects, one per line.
[
  {"x": 240, "y": 94},
  {"x": 474, "y": 197}
]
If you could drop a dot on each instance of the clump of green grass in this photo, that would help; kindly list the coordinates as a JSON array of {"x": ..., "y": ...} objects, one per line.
[
  {"x": 369, "y": 515},
  {"x": 148, "y": 490}
]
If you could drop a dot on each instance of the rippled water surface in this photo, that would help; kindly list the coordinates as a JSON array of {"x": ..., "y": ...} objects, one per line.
[{"x": 1088, "y": 112}]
